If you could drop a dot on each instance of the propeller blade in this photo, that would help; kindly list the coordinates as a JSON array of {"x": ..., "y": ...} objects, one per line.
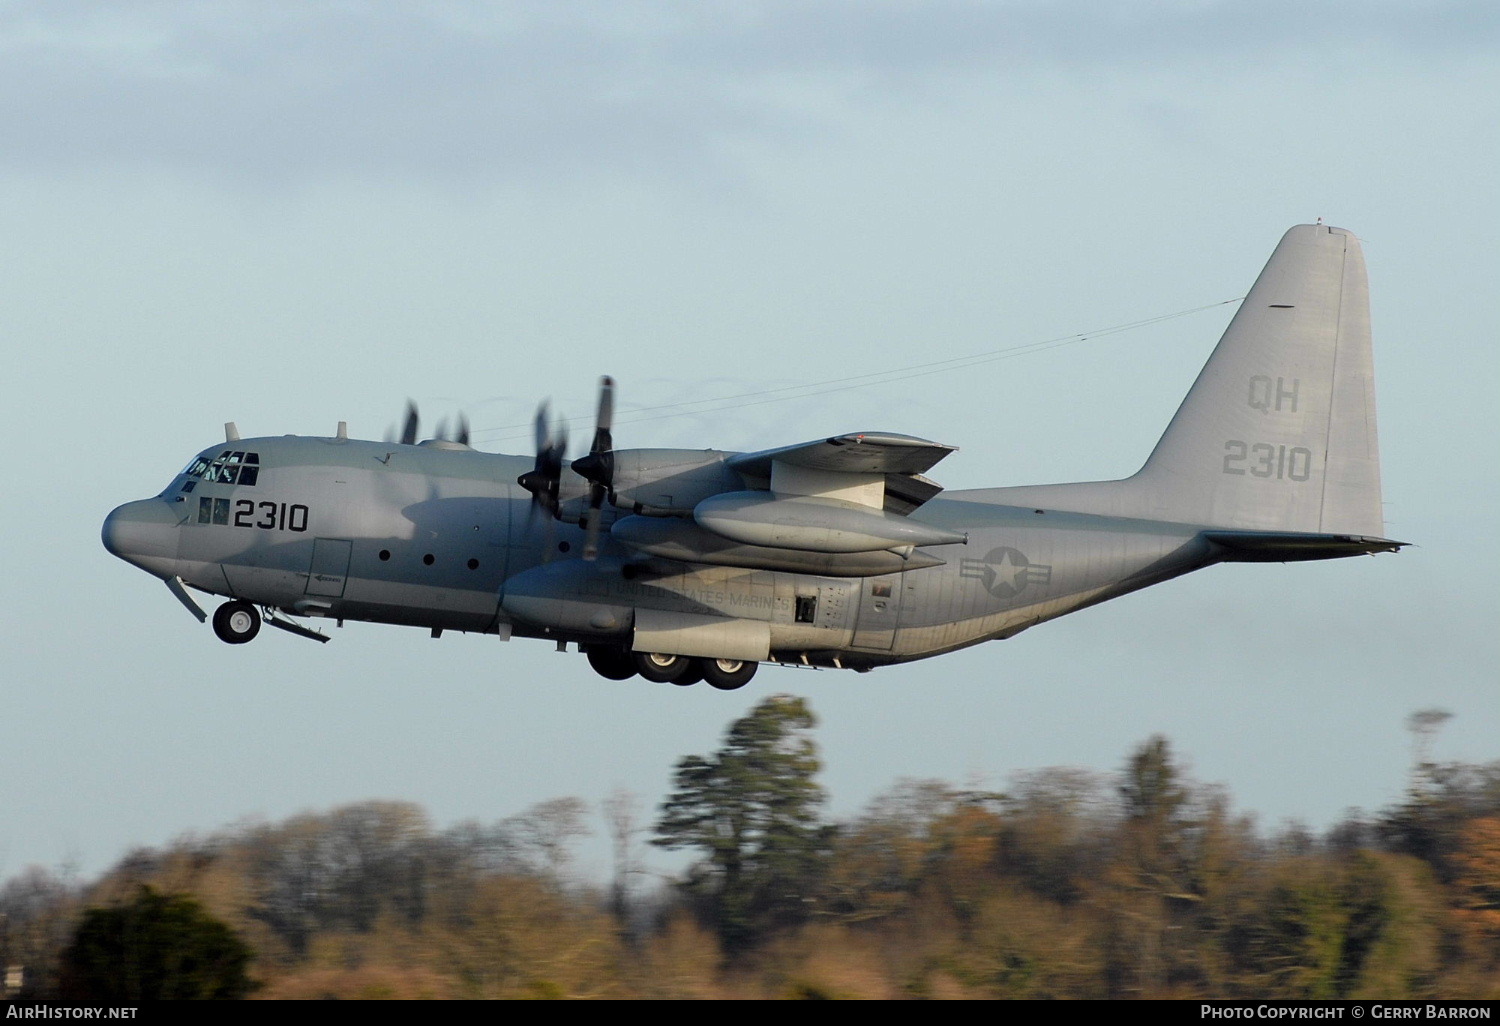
[
  {"x": 598, "y": 466},
  {"x": 463, "y": 430},
  {"x": 409, "y": 429},
  {"x": 544, "y": 480},
  {"x": 545, "y": 477},
  {"x": 540, "y": 430},
  {"x": 603, "y": 440}
]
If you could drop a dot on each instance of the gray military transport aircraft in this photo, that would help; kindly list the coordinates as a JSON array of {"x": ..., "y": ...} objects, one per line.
[{"x": 685, "y": 565}]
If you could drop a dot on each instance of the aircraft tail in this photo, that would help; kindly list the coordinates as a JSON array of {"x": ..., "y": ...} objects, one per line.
[{"x": 1278, "y": 432}]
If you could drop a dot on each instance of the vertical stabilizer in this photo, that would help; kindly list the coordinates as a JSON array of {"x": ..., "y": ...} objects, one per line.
[{"x": 1278, "y": 432}]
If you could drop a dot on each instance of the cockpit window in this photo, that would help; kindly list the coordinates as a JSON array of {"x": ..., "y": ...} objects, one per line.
[
  {"x": 213, "y": 511},
  {"x": 229, "y": 467}
]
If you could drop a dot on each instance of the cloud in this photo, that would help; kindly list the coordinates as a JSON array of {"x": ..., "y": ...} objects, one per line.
[{"x": 540, "y": 89}]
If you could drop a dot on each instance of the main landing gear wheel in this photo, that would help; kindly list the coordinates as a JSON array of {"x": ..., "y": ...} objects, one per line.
[
  {"x": 728, "y": 674},
  {"x": 236, "y": 622},
  {"x": 612, "y": 663},
  {"x": 663, "y": 668}
]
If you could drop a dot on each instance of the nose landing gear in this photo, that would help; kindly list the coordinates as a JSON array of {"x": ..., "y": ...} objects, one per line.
[{"x": 236, "y": 622}]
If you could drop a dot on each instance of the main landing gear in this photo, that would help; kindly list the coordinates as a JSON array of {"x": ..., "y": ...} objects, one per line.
[{"x": 664, "y": 668}]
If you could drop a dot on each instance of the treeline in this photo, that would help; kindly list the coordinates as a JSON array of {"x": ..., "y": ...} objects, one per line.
[{"x": 1067, "y": 884}]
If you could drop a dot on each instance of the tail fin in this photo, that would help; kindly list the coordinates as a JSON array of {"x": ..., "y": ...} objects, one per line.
[{"x": 1278, "y": 432}]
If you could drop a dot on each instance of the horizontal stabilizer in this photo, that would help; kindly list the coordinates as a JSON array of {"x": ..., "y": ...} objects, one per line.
[{"x": 1295, "y": 546}]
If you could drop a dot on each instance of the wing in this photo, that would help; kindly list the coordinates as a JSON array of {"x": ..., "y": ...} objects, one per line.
[{"x": 850, "y": 467}]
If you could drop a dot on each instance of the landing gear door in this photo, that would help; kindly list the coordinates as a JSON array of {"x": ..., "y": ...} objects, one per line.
[
  {"x": 879, "y": 612},
  {"x": 330, "y": 567}
]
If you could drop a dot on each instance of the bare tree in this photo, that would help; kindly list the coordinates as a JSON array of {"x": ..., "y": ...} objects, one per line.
[
  {"x": 622, "y": 811},
  {"x": 1424, "y": 724}
]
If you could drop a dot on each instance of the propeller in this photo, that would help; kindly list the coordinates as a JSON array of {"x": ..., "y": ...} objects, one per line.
[
  {"x": 598, "y": 467},
  {"x": 543, "y": 479},
  {"x": 411, "y": 425},
  {"x": 460, "y": 431},
  {"x": 408, "y": 427}
]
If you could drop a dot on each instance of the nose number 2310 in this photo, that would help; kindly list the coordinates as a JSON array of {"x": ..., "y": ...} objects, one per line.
[{"x": 270, "y": 516}]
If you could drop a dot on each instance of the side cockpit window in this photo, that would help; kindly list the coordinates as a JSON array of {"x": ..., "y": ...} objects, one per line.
[
  {"x": 213, "y": 511},
  {"x": 232, "y": 466}
]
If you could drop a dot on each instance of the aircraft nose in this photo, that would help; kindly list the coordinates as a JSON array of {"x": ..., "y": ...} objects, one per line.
[{"x": 144, "y": 534}]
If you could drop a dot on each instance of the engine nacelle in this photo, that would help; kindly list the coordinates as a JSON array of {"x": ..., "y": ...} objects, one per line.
[{"x": 668, "y": 482}]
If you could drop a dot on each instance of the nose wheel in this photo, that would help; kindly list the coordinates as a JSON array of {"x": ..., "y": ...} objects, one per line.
[{"x": 236, "y": 622}]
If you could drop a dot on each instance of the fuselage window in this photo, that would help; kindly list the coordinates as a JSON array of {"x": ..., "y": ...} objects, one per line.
[{"x": 807, "y": 608}]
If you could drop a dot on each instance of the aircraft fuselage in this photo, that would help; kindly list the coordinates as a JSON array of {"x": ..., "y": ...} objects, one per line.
[{"x": 442, "y": 537}]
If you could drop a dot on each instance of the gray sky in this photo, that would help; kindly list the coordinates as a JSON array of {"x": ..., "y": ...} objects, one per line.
[{"x": 287, "y": 215}]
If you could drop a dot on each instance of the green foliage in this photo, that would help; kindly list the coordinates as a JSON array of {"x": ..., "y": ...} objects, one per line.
[
  {"x": 752, "y": 808},
  {"x": 1430, "y": 824},
  {"x": 1155, "y": 809},
  {"x": 1070, "y": 884},
  {"x": 1360, "y": 927},
  {"x": 156, "y": 947}
]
